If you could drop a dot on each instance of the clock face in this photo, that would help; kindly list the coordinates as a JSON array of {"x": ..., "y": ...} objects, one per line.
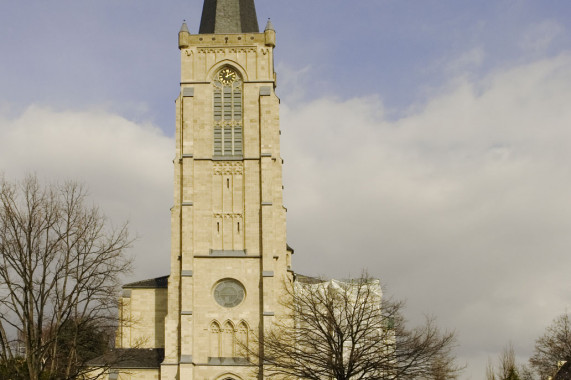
[
  {"x": 227, "y": 76},
  {"x": 229, "y": 293}
]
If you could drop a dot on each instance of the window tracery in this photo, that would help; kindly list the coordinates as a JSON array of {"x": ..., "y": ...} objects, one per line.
[
  {"x": 228, "y": 106},
  {"x": 228, "y": 340},
  {"x": 242, "y": 340},
  {"x": 215, "y": 337}
]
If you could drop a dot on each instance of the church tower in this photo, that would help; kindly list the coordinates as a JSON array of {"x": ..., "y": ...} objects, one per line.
[{"x": 229, "y": 257}]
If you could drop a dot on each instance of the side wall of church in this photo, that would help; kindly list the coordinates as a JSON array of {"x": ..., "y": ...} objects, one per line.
[
  {"x": 139, "y": 374},
  {"x": 142, "y": 318}
]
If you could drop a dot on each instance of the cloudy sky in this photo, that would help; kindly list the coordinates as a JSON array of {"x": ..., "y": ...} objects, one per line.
[{"x": 427, "y": 141}]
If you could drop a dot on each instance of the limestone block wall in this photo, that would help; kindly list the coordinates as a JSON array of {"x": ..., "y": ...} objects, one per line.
[
  {"x": 228, "y": 218},
  {"x": 142, "y": 319},
  {"x": 138, "y": 374},
  {"x": 125, "y": 374}
]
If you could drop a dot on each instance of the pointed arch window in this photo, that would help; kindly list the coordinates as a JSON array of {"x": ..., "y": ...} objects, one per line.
[
  {"x": 242, "y": 340},
  {"x": 215, "y": 337},
  {"x": 228, "y": 340},
  {"x": 228, "y": 105}
]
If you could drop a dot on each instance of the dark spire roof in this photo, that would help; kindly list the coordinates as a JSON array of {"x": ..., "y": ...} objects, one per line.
[{"x": 229, "y": 16}]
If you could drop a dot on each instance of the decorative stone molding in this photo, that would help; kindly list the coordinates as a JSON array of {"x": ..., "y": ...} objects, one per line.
[
  {"x": 227, "y": 253},
  {"x": 228, "y": 215},
  {"x": 226, "y": 51},
  {"x": 228, "y": 168}
]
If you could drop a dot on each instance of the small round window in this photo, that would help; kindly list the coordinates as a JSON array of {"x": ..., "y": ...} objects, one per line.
[{"x": 229, "y": 293}]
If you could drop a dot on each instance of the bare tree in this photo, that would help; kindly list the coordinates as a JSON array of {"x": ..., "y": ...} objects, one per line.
[
  {"x": 490, "y": 370},
  {"x": 525, "y": 372},
  {"x": 443, "y": 367},
  {"x": 507, "y": 365},
  {"x": 553, "y": 348},
  {"x": 60, "y": 265},
  {"x": 340, "y": 330},
  {"x": 507, "y": 368}
]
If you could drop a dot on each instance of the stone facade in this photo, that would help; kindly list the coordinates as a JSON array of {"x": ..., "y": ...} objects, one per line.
[
  {"x": 142, "y": 314},
  {"x": 229, "y": 257}
]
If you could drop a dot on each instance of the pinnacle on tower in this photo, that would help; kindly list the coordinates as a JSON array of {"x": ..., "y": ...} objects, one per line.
[
  {"x": 183, "y": 36},
  {"x": 184, "y": 27},
  {"x": 229, "y": 16}
]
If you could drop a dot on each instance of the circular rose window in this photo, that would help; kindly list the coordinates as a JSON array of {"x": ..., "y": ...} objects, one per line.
[{"x": 229, "y": 293}]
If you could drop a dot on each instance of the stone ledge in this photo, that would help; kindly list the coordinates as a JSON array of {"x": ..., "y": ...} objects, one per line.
[{"x": 232, "y": 361}]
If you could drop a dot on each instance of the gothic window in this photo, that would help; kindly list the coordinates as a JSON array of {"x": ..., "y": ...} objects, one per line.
[
  {"x": 242, "y": 339},
  {"x": 227, "y": 113},
  {"x": 228, "y": 340},
  {"x": 215, "y": 337}
]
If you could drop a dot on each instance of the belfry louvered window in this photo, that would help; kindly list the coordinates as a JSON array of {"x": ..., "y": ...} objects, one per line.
[{"x": 227, "y": 113}]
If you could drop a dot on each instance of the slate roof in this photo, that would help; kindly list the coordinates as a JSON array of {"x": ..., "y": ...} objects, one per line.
[
  {"x": 229, "y": 16},
  {"x": 153, "y": 283},
  {"x": 130, "y": 358},
  {"x": 303, "y": 279},
  {"x": 308, "y": 279}
]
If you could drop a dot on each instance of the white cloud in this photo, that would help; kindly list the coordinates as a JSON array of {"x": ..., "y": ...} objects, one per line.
[
  {"x": 462, "y": 207},
  {"x": 126, "y": 166},
  {"x": 540, "y": 35},
  {"x": 468, "y": 60},
  {"x": 292, "y": 83}
]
